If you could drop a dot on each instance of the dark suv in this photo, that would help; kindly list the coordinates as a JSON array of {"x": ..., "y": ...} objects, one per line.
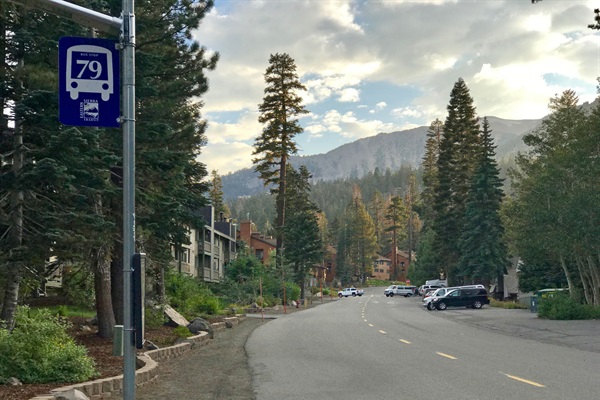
[{"x": 473, "y": 298}]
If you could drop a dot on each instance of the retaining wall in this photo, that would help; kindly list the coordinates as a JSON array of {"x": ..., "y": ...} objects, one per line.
[{"x": 146, "y": 366}]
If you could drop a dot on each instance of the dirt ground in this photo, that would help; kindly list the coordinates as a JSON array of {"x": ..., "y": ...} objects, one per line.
[{"x": 217, "y": 370}]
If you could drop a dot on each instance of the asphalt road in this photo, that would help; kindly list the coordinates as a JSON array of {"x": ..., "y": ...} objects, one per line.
[{"x": 374, "y": 347}]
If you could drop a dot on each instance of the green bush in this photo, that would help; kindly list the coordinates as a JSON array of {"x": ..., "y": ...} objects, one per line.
[
  {"x": 154, "y": 317},
  {"x": 39, "y": 350},
  {"x": 563, "y": 307},
  {"x": 182, "y": 331},
  {"x": 191, "y": 297}
]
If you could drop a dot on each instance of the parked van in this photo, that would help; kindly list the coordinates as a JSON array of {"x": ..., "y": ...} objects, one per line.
[
  {"x": 427, "y": 300},
  {"x": 400, "y": 290},
  {"x": 424, "y": 288},
  {"x": 471, "y": 298}
]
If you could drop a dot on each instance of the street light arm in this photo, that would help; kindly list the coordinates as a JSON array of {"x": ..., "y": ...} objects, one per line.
[{"x": 73, "y": 12}]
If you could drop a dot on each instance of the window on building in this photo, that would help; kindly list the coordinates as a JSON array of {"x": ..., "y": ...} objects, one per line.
[{"x": 259, "y": 254}]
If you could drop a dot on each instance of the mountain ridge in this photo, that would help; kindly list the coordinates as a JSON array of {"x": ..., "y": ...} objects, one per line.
[{"x": 384, "y": 150}]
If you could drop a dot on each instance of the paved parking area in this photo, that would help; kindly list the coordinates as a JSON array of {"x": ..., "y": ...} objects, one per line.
[{"x": 579, "y": 334}]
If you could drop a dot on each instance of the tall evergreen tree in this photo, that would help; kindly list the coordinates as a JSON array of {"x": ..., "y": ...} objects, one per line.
[
  {"x": 397, "y": 219},
  {"x": 302, "y": 232},
  {"x": 279, "y": 112},
  {"x": 430, "y": 169},
  {"x": 377, "y": 208},
  {"x": 554, "y": 213},
  {"x": 414, "y": 223},
  {"x": 216, "y": 195},
  {"x": 362, "y": 244},
  {"x": 458, "y": 156},
  {"x": 483, "y": 252}
]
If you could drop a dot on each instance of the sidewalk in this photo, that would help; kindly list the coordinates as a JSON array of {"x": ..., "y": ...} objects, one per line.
[{"x": 578, "y": 334}]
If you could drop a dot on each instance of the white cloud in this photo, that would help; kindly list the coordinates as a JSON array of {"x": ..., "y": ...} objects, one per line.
[
  {"x": 227, "y": 157},
  {"x": 349, "y": 95},
  {"x": 514, "y": 56}
]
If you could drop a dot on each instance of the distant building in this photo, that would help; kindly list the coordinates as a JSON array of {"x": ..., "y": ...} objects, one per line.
[
  {"x": 260, "y": 245},
  {"x": 210, "y": 248},
  {"x": 381, "y": 268}
]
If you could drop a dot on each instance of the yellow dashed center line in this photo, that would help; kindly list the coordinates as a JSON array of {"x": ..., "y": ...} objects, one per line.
[
  {"x": 445, "y": 355},
  {"x": 532, "y": 383},
  {"x": 365, "y": 320},
  {"x": 384, "y": 332},
  {"x": 404, "y": 341},
  {"x": 370, "y": 324}
]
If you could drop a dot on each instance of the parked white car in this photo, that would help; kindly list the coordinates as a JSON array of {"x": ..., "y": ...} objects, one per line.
[{"x": 351, "y": 291}]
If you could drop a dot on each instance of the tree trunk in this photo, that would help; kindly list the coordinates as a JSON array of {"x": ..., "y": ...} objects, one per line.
[
  {"x": 567, "y": 275},
  {"x": 394, "y": 273},
  {"x": 595, "y": 275},
  {"x": 281, "y": 205},
  {"x": 14, "y": 275},
  {"x": 102, "y": 286}
]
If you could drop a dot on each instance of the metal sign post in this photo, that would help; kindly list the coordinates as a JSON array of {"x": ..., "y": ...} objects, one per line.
[
  {"x": 128, "y": 91},
  {"x": 126, "y": 26}
]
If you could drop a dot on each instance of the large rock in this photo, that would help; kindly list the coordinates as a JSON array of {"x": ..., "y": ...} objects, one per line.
[
  {"x": 198, "y": 325},
  {"x": 175, "y": 319},
  {"x": 71, "y": 394}
]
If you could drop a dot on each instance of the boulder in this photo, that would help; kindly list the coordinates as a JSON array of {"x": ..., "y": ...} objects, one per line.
[
  {"x": 175, "y": 319},
  {"x": 14, "y": 382},
  {"x": 148, "y": 345},
  {"x": 71, "y": 394},
  {"x": 198, "y": 325}
]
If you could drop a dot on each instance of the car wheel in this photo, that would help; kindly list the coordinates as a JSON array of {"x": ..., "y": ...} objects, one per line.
[
  {"x": 340, "y": 295},
  {"x": 441, "y": 306},
  {"x": 391, "y": 294},
  {"x": 353, "y": 294},
  {"x": 477, "y": 305},
  {"x": 430, "y": 307}
]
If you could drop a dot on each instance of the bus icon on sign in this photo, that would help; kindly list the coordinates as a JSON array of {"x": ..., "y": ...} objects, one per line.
[{"x": 89, "y": 69}]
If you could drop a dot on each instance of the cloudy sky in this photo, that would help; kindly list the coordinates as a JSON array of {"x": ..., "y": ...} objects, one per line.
[{"x": 373, "y": 66}]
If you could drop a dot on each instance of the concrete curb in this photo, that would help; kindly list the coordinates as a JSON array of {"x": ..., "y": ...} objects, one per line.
[{"x": 147, "y": 366}]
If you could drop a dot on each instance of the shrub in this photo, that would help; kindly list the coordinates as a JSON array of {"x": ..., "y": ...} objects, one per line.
[
  {"x": 39, "y": 350},
  {"x": 191, "y": 297},
  {"x": 182, "y": 332},
  {"x": 154, "y": 317},
  {"x": 563, "y": 307}
]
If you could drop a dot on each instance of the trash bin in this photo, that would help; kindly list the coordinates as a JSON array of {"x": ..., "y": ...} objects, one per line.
[{"x": 533, "y": 305}]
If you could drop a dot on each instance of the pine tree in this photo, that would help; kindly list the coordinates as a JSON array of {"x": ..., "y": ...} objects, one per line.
[
  {"x": 302, "y": 232},
  {"x": 554, "y": 218},
  {"x": 216, "y": 195},
  {"x": 377, "y": 208},
  {"x": 483, "y": 252},
  {"x": 279, "y": 112},
  {"x": 430, "y": 169},
  {"x": 397, "y": 218},
  {"x": 455, "y": 167},
  {"x": 362, "y": 244}
]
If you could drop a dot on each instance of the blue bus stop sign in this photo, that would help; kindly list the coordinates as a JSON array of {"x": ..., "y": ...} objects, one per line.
[{"x": 89, "y": 89}]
